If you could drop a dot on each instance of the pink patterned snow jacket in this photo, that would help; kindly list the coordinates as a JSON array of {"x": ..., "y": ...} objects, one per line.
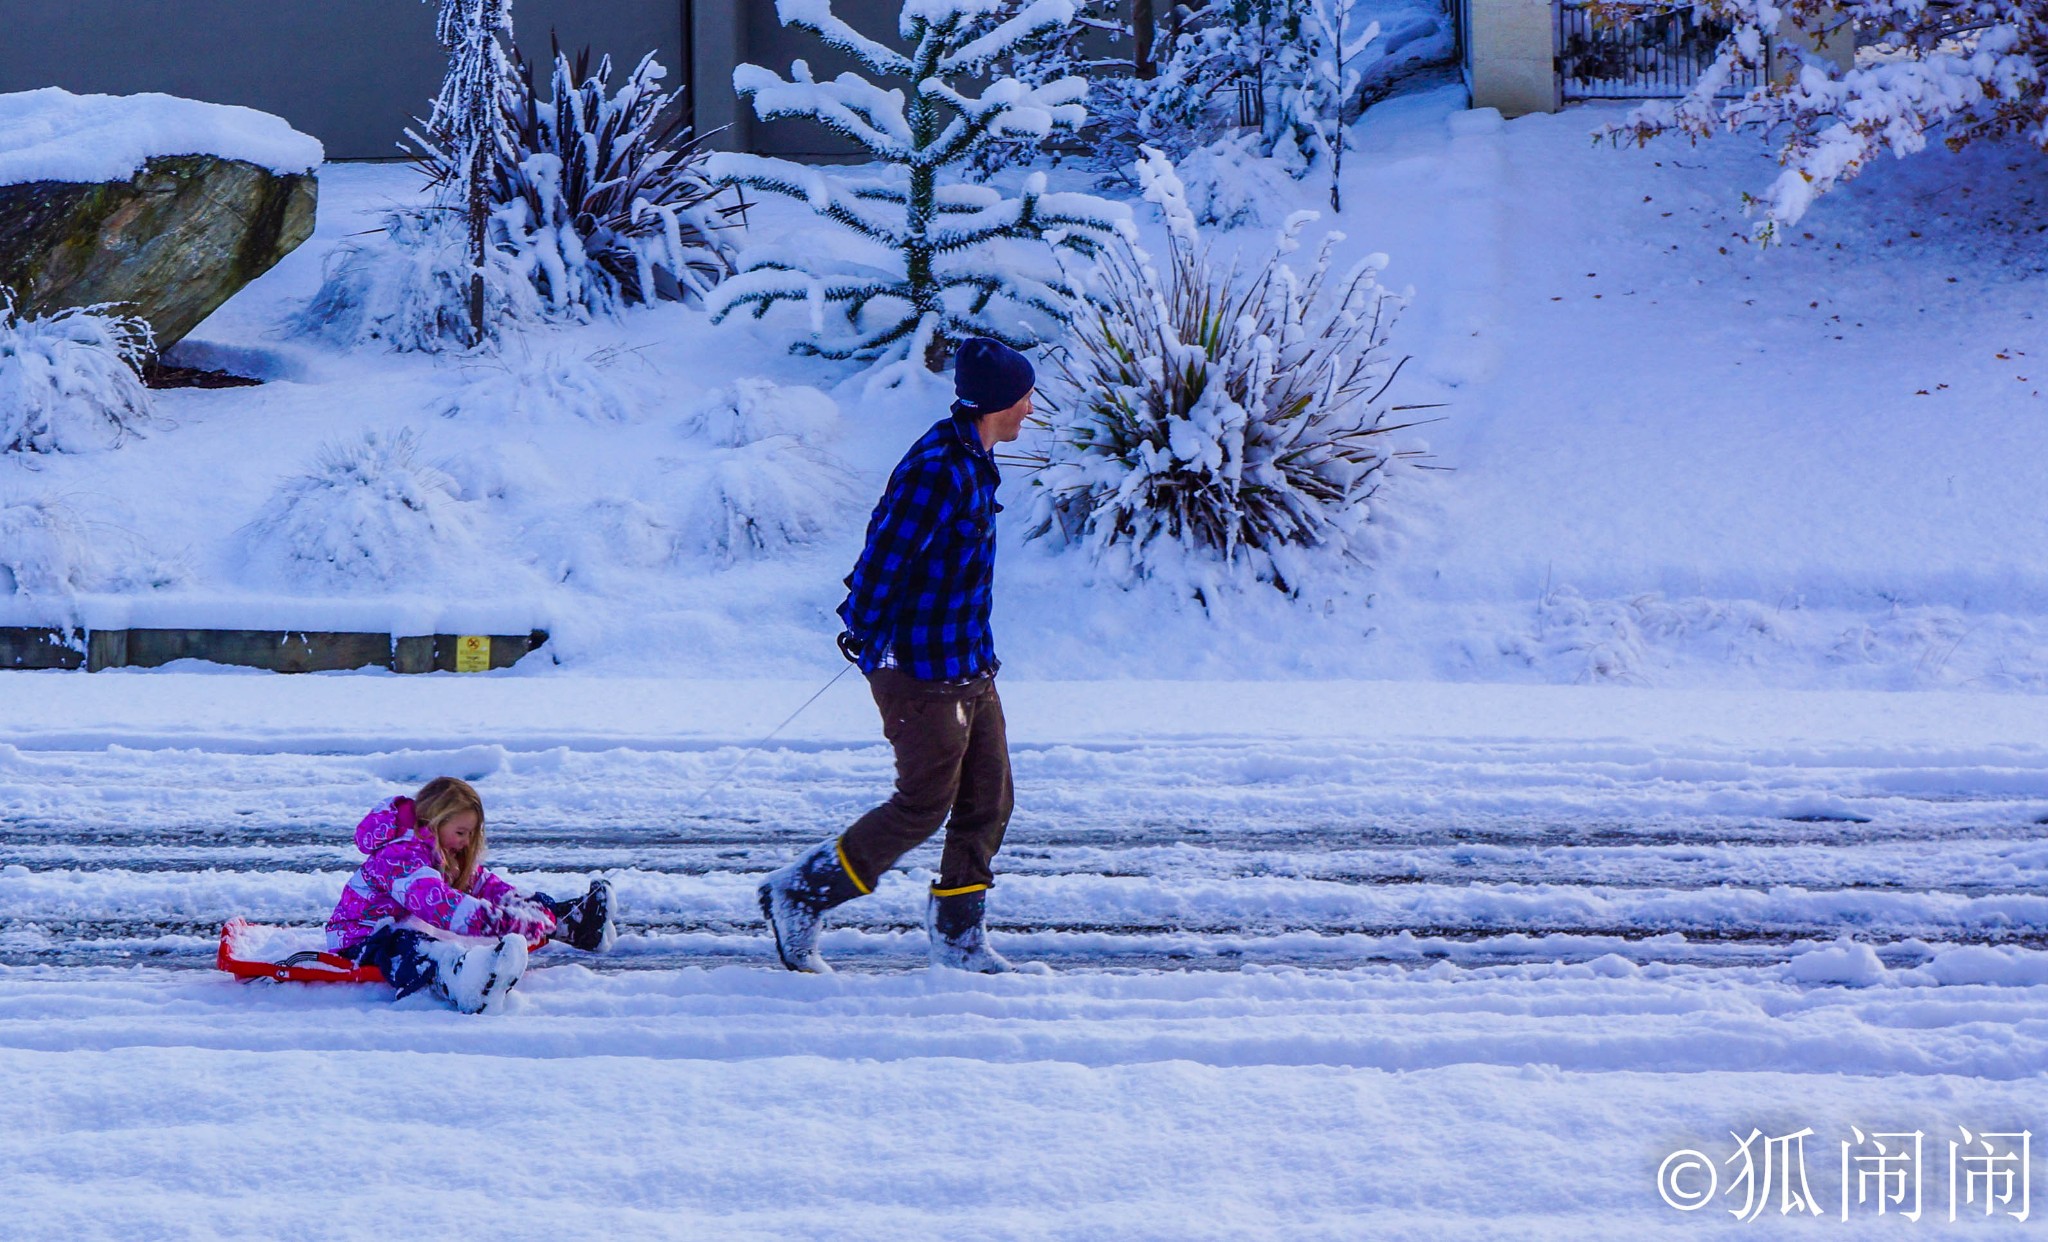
[{"x": 402, "y": 878}]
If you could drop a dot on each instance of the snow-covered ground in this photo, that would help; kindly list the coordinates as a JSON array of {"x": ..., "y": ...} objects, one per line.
[
  {"x": 1360, "y": 924},
  {"x": 1338, "y": 960}
]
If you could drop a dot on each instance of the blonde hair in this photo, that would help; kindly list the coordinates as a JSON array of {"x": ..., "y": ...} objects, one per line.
[{"x": 440, "y": 800}]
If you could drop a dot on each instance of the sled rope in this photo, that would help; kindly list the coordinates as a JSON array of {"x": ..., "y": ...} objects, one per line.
[{"x": 748, "y": 752}]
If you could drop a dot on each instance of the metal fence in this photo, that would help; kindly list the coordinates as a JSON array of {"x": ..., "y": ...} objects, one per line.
[{"x": 1654, "y": 54}]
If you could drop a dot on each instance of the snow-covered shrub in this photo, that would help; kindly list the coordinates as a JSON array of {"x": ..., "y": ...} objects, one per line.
[
  {"x": 68, "y": 381},
  {"x": 630, "y": 531},
  {"x": 600, "y": 194},
  {"x": 1956, "y": 72},
  {"x": 48, "y": 548},
  {"x": 1229, "y": 185},
  {"x": 602, "y": 545},
  {"x": 750, "y": 410},
  {"x": 44, "y": 549},
  {"x": 909, "y": 253},
  {"x": 407, "y": 288},
  {"x": 1200, "y": 410},
  {"x": 769, "y": 485},
  {"x": 368, "y": 512},
  {"x": 756, "y": 500},
  {"x": 547, "y": 386}
]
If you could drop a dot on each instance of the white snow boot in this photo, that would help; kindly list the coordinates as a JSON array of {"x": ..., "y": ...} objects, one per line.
[
  {"x": 959, "y": 941},
  {"x": 794, "y": 901},
  {"x": 477, "y": 979}
]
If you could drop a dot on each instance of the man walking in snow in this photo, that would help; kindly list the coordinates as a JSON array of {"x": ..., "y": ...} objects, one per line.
[{"x": 917, "y": 624}]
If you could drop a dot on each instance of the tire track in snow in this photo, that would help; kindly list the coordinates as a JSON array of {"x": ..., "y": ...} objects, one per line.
[{"x": 1171, "y": 853}]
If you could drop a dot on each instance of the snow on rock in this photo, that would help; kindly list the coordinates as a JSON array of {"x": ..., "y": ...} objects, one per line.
[{"x": 54, "y": 135}]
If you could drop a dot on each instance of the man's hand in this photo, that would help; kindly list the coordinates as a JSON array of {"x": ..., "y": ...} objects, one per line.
[{"x": 849, "y": 646}]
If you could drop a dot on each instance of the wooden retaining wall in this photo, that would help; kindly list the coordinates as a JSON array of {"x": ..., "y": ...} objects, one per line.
[{"x": 279, "y": 651}]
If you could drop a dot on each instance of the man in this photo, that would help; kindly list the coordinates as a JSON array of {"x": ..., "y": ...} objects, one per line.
[{"x": 917, "y": 624}]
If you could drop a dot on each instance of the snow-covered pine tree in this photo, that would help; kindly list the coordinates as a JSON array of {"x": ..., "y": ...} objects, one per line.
[
  {"x": 916, "y": 255},
  {"x": 1953, "y": 70},
  {"x": 469, "y": 124}
]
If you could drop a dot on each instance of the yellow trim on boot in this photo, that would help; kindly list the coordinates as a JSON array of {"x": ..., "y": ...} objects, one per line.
[
  {"x": 957, "y": 892},
  {"x": 839, "y": 847}
]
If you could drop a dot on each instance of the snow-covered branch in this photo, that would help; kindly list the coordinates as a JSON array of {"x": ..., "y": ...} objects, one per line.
[
  {"x": 1956, "y": 72},
  {"x": 817, "y": 17}
]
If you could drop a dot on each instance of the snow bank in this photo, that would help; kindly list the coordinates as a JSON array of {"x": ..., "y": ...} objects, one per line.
[
  {"x": 54, "y": 135},
  {"x": 1263, "y": 1104}
]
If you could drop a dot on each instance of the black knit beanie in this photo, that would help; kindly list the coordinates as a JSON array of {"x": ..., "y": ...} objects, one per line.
[{"x": 989, "y": 376}]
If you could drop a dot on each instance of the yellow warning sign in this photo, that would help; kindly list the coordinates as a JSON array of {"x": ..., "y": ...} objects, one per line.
[{"x": 473, "y": 653}]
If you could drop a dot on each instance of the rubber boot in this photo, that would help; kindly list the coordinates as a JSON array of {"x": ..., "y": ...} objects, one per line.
[
  {"x": 794, "y": 901},
  {"x": 476, "y": 979},
  {"x": 959, "y": 940},
  {"x": 584, "y": 922}
]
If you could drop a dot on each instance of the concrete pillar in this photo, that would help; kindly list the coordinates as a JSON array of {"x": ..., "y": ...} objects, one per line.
[
  {"x": 1833, "y": 40},
  {"x": 1512, "y": 46}
]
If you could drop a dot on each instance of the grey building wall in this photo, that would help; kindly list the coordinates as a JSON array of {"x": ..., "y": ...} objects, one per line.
[
  {"x": 350, "y": 72},
  {"x": 354, "y": 72},
  {"x": 768, "y": 43}
]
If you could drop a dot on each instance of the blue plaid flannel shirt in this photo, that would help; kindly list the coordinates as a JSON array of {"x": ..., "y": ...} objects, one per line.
[{"x": 919, "y": 597}]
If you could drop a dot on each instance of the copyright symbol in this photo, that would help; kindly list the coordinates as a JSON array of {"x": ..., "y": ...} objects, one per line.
[{"x": 1678, "y": 1169}]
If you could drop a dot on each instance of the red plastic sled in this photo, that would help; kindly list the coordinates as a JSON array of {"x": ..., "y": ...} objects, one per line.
[{"x": 258, "y": 951}]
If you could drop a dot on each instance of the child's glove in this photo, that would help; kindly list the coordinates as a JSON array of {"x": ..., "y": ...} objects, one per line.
[{"x": 527, "y": 918}]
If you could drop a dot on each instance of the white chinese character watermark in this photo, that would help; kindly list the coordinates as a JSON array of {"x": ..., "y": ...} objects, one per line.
[
  {"x": 1883, "y": 1173},
  {"x": 1783, "y": 1156},
  {"x": 1998, "y": 1170}
]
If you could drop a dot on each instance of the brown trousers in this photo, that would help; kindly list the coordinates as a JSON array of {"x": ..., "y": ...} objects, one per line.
[{"x": 952, "y": 768}]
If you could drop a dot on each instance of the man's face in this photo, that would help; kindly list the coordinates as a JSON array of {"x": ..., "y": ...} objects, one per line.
[{"x": 1003, "y": 426}]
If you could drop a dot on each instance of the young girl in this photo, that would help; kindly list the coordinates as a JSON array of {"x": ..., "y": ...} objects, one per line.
[{"x": 414, "y": 906}]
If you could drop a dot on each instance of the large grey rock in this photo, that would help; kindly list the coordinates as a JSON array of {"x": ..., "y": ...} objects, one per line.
[{"x": 173, "y": 242}]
